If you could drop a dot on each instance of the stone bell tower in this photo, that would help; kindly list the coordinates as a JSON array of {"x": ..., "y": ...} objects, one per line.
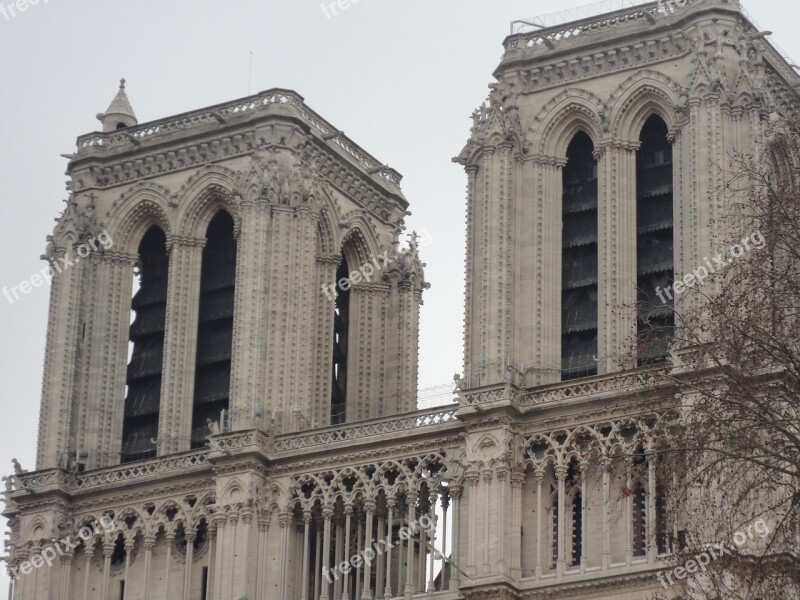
[
  {"x": 272, "y": 290},
  {"x": 593, "y": 175}
]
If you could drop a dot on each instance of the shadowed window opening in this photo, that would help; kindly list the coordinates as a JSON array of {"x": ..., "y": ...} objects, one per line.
[
  {"x": 149, "y": 305},
  {"x": 215, "y": 327},
  {"x": 340, "y": 331},
  {"x": 654, "y": 253},
  {"x": 579, "y": 261}
]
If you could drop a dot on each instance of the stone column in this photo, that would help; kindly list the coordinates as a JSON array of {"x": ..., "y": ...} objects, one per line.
[
  {"x": 66, "y": 573},
  {"x": 306, "y": 553},
  {"x": 129, "y": 545},
  {"x": 221, "y": 547},
  {"x": 147, "y": 543},
  {"x": 411, "y": 498},
  {"x": 262, "y": 569},
  {"x": 170, "y": 539},
  {"x": 359, "y": 547},
  {"x": 180, "y": 344},
  {"x": 212, "y": 553},
  {"x": 285, "y": 522},
  {"x": 337, "y": 557},
  {"x": 242, "y": 584},
  {"x": 488, "y": 476},
  {"x": 472, "y": 500},
  {"x": 327, "y": 514},
  {"x": 89, "y": 553},
  {"x": 650, "y": 519},
  {"x": 348, "y": 512},
  {"x": 543, "y": 278},
  {"x": 517, "y": 481},
  {"x": 103, "y": 373},
  {"x": 250, "y": 315},
  {"x": 539, "y": 475},
  {"x": 379, "y": 559},
  {"x": 387, "y": 591},
  {"x": 502, "y": 485},
  {"x": 455, "y": 557},
  {"x": 369, "y": 508},
  {"x": 230, "y": 577},
  {"x": 108, "y": 550},
  {"x": 191, "y": 535},
  {"x": 561, "y": 561},
  {"x": 606, "y": 557},
  {"x": 616, "y": 256}
]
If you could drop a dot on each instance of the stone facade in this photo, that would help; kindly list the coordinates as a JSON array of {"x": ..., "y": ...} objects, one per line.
[{"x": 534, "y": 487}]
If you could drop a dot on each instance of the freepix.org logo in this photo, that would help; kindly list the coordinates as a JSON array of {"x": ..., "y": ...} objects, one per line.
[
  {"x": 58, "y": 265},
  {"x": 12, "y": 9},
  {"x": 49, "y": 553}
]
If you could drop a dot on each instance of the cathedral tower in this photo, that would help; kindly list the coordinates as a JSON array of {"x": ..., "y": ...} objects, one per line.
[{"x": 271, "y": 291}]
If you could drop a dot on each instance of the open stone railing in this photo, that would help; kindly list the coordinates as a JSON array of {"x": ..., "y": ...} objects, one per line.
[
  {"x": 549, "y": 35},
  {"x": 352, "y": 431},
  {"x": 156, "y": 466},
  {"x": 616, "y": 383},
  {"x": 626, "y": 382},
  {"x": 160, "y": 466},
  {"x": 220, "y": 113}
]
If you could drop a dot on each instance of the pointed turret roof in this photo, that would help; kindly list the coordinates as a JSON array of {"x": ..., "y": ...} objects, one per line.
[{"x": 119, "y": 113}]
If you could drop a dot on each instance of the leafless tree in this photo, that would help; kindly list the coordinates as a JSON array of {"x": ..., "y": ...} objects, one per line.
[{"x": 734, "y": 476}]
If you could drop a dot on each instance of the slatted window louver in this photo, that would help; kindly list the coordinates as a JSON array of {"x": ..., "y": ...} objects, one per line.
[
  {"x": 579, "y": 261},
  {"x": 215, "y": 326},
  {"x": 654, "y": 249},
  {"x": 341, "y": 317},
  {"x": 149, "y": 304}
]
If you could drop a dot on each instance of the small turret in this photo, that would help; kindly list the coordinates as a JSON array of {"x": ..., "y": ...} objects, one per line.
[{"x": 119, "y": 113}]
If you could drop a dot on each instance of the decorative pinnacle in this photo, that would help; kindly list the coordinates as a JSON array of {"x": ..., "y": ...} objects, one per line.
[{"x": 122, "y": 83}]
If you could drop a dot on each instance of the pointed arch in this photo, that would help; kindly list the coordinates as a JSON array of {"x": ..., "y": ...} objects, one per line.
[
  {"x": 204, "y": 193},
  {"x": 135, "y": 212},
  {"x": 642, "y": 95},
  {"x": 569, "y": 112}
]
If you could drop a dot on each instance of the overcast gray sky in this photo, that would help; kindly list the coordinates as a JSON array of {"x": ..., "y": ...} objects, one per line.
[{"x": 400, "y": 77}]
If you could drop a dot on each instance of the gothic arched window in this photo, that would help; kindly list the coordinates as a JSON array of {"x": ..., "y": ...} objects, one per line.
[
  {"x": 340, "y": 331},
  {"x": 579, "y": 260},
  {"x": 149, "y": 305},
  {"x": 654, "y": 255},
  {"x": 212, "y": 380}
]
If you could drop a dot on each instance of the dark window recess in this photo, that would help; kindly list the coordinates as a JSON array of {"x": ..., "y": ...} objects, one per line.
[
  {"x": 212, "y": 380},
  {"x": 122, "y": 589},
  {"x": 579, "y": 261},
  {"x": 655, "y": 261},
  {"x": 577, "y": 530},
  {"x": 339, "y": 367},
  {"x": 149, "y": 304},
  {"x": 204, "y": 585},
  {"x": 639, "y": 516}
]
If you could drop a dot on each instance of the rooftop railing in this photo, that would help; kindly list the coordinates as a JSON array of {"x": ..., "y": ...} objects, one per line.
[{"x": 221, "y": 113}]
